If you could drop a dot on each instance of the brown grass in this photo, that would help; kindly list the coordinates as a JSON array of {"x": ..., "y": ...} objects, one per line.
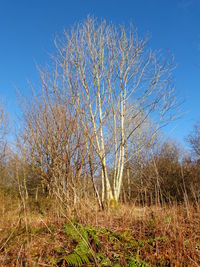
[{"x": 168, "y": 236}]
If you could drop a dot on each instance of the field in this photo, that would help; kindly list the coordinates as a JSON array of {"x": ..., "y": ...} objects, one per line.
[{"x": 40, "y": 234}]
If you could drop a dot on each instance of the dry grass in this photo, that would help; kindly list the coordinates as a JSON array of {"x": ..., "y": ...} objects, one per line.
[{"x": 165, "y": 236}]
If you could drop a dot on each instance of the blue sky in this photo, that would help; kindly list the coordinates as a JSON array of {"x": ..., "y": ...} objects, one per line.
[{"x": 27, "y": 30}]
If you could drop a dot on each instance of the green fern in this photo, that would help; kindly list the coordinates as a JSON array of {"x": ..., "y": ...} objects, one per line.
[
  {"x": 133, "y": 262},
  {"x": 82, "y": 253},
  {"x": 72, "y": 231},
  {"x": 86, "y": 237},
  {"x": 92, "y": 233}
]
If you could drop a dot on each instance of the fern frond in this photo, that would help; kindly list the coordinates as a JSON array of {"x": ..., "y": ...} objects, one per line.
[
  {"x": 82, "y": 253},
  {"x": 69, "y": 230},
  {"x": 73, "y": 260},
  {"x": 133, "y": 262}
]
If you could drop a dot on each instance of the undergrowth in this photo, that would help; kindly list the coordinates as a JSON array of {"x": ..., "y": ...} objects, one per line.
[
  {"x": 126, "y": 236},
  {"x": 90, "y": 248}
]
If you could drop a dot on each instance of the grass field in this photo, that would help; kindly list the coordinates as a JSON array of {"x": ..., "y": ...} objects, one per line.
[{"x": 127, "y": 235}]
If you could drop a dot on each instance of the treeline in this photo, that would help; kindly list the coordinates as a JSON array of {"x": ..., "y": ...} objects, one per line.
[
  {"x": 55, "y": 165},
  {"x": 166, "y": 177}
]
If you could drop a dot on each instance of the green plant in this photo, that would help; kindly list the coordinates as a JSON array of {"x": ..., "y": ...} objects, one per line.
[
  {"x": 82, "y": 253},
  {"x": 133, "y": 262}
]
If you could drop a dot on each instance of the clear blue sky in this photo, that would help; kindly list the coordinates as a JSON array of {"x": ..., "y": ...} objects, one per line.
[{"x": 27, "y": 30}]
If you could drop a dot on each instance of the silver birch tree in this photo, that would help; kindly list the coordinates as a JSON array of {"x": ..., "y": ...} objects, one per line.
[{"x": 116, "y": 84}]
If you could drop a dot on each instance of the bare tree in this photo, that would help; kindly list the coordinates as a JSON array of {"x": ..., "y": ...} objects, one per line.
[
  {"x": 116, "y": 84},
  {"x": 193, "y": 140},
  {"x": 107, "y": 91},
  {"x": 52, "y": 144},
  {"x": 4, "y": 128}
]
